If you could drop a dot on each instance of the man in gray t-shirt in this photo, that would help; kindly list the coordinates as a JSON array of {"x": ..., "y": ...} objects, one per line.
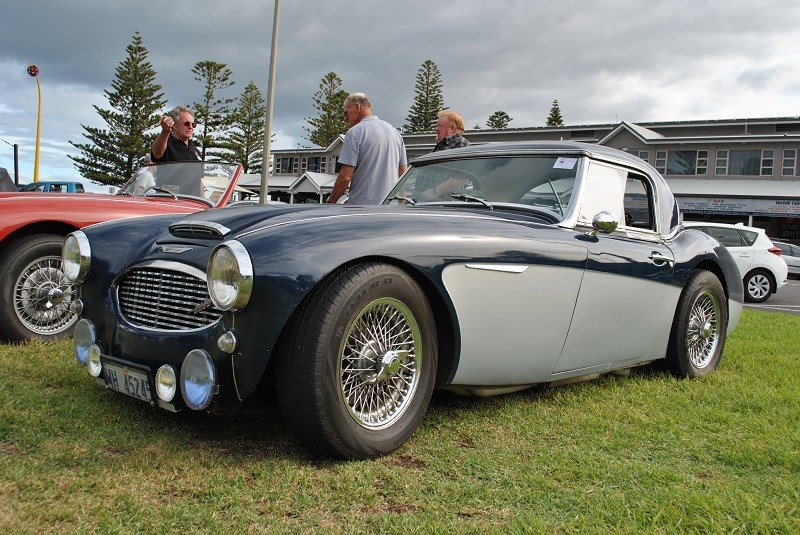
[{"x": 373, "y": 155}]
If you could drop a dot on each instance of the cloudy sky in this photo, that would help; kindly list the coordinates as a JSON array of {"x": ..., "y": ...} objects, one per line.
[{"x": 605, "y": 61}]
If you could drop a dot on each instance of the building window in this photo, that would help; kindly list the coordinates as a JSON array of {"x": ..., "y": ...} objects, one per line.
[
  {"x": 661, "y": 161},
  {"x": 643, "y": 154},
  {"x": 722, "y": 162},
  {"x": 702, "y": 162},
  {"x": 286, "y": 165},
  {"x": 767, "y": 162},
  {"x": 789, "y": 162},
  {"x": 316, "y": 164},
  {"x": 303, "y": 164},
  {"x": 744, "y": 163},
  {"x": 682, "y": 162},
  {"x": 581, "y": 134}
]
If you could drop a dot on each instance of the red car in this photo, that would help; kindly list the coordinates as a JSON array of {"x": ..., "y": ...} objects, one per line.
[{"x": 35, "y": 294}]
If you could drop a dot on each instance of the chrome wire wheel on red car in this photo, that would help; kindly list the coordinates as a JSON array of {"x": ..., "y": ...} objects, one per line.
[{"x": 37, "y": 290}]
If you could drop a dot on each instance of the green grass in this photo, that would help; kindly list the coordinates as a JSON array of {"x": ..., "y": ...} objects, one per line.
[{"x": 643, "y": 453}]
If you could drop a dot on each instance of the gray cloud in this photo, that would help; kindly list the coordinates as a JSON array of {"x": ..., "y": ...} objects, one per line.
[{"x": 603, "y": 61}]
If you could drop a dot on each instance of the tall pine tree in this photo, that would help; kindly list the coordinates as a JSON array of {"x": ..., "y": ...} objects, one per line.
[
  {"x": 555, "y": 119},
  {"x": 245, "y": 141},
  {"x": 328, "y": 101},
  {"x": 111, "y": 156},
  {"x": 212, "y": 112},
  {"x": 498, "y": 120},
  {"x": 428, "y": 99}
]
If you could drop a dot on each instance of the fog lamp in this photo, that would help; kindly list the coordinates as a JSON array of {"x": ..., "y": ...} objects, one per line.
[
  {"x": 227, "y": 342},
  {"x": 198, "y": 379},
  {"x": 166, "y": 383},
  {"x": 84, "y": 337},
  {"x": 95, "y": 367},
  {"x": 76, "y": 307}
]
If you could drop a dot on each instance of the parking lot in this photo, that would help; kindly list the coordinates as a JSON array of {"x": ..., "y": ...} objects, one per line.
[{"x": 787, "y": 299}]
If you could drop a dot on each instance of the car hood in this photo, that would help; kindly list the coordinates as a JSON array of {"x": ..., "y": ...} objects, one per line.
[{"x": 233, "y": 221}]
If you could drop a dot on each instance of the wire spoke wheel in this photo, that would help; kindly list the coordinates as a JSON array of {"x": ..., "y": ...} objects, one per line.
[
  {"x": 42, "y": 295},
  {"x": 379, "y": 363},
  {"x": 703, "y": 332}
]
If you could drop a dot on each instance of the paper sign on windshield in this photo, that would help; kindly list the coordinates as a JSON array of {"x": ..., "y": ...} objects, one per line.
[{"x": 565, "y": 163}]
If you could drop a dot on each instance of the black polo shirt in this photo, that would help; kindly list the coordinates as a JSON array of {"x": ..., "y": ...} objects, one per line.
[{"x": 178, "y": 151}]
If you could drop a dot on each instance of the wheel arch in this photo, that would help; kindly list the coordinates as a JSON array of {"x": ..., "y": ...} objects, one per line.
[
  {"x": 40, "y": 227},
  {"x": 440, "y": 306}
]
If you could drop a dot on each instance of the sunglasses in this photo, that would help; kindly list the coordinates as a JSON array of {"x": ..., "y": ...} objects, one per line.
[{"x": 189, "y": 123}]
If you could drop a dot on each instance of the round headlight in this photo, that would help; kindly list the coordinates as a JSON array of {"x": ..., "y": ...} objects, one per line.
[
  {"x": 166, "y": 383},
  {"x": 76, "y": 255},
  {"x": 230, "y": 276},
  {"x": 95, "y": 367},
  {"x": 84, "y": 338},
  {"x": 198, "y": 379}
]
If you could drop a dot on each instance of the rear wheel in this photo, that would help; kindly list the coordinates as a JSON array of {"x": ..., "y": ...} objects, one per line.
[
  {"x": 699, "y": 328},
  {"x": 357, "y": 369},
  {"x": 35, "y": 291},
  {"x": 758, "y": 286}
]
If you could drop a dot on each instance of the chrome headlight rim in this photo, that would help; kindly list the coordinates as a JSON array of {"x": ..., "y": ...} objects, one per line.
[
  {"x": 232, "y": 294},
  {"x": 76, "y": 256}
]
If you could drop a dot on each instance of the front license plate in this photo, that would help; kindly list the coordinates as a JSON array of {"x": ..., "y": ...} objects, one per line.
[{"x": 127, "y": 380}]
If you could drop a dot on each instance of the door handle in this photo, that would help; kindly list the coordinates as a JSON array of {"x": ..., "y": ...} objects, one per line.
[{"x": 660, "y": 260}]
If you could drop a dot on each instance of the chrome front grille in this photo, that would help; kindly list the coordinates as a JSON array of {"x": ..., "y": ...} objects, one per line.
[{"x": 165, "y": 300}]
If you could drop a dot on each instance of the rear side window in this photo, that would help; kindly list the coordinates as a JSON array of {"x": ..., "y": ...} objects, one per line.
[
  {"x": 749, "y": 236},
  {"x": 726, "y": 236}
]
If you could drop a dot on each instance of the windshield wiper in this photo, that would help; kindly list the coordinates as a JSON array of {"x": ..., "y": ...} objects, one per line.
[
  {"x": 409, "y": 200},
  {"x": 471, "y": 198}
]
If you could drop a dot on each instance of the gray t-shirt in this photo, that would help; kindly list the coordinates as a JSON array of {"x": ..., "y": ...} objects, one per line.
[{"x": 376, "y": 149}]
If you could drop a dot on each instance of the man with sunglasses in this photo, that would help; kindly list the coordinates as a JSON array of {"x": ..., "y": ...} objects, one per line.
[{"x": 174, "y": 143}]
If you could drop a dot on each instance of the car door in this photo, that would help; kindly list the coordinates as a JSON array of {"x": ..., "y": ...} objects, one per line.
[{"x": 626, "y": 303}]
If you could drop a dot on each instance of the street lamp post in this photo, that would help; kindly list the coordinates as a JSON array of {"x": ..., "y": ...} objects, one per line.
[
  {"x": 33, "y": 70},
  {"x": 270, "y": 98}
]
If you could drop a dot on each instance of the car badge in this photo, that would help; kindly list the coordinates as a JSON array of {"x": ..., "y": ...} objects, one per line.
[
  {"x": 203, "y": 306},
  {"x": 175, "y": 249}
]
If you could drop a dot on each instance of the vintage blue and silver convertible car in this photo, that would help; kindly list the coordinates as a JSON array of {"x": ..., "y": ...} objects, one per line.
[{"x": 488, "y": 269}]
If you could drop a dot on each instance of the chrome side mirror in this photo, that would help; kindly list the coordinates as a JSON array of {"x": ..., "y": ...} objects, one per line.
[{"x": 604, "y": 222}]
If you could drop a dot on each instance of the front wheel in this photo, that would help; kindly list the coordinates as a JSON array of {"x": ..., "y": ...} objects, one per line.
[
  {"x": 357, "y": 369},
  {"x": 35, "y": 292},
  {"x": 699, "y": 328},
  {"x": 758, "y": 286}
]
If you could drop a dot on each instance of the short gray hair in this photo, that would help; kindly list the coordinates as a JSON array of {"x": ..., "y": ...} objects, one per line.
[
  {"x": 357, "y": 98},
  {"x": 176, "y": 111}
]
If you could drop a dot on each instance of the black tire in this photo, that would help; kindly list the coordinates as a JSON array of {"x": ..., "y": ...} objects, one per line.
[
  {"x": 699, "y": 328},
  {"x": 758, "y": 286},
  {"x": 357, "y": 369},
  {"x": 34, "y": 291}
]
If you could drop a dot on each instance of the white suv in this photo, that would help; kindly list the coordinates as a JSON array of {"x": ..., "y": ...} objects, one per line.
[{"x": 760, "y": 264}]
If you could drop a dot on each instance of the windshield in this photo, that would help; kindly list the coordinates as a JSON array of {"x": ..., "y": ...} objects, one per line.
[
  {"x": 540, "y": 181},
  {"x": 206, "y": 180}
]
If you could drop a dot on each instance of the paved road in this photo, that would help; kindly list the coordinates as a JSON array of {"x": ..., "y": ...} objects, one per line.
[{"x": 787, "y": 299}]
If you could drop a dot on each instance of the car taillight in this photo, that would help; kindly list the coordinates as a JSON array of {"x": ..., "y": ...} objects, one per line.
[{"x": 775, "y": 250}]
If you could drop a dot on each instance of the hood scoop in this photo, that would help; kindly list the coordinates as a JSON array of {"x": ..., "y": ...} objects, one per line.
[{"x": 207, "y": 230}]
